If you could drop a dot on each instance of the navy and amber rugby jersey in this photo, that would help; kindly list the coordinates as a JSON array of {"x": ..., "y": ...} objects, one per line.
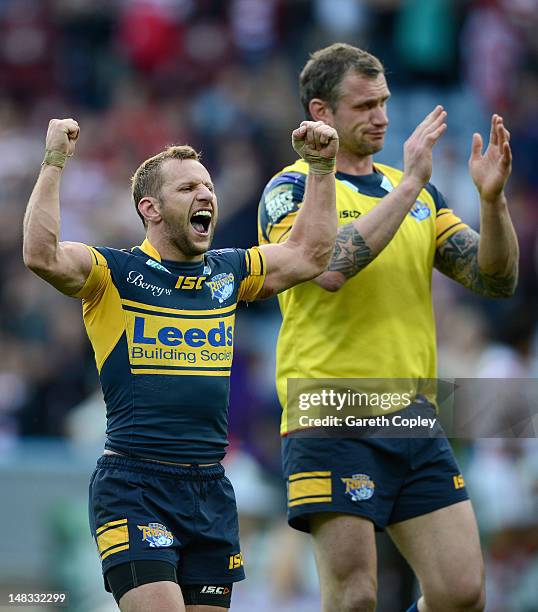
[{"x": 163, "y": 336}]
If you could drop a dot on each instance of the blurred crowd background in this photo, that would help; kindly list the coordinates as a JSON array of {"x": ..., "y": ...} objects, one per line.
[{"x": 222, "y": 76}]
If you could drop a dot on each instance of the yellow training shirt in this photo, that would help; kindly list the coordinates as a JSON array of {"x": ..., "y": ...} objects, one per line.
[{"x": 380, "y": 324}]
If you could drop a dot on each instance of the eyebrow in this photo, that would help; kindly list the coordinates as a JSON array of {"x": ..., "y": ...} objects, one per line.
[
  {"x": 369, "y": 100},
  {"x": 194, "y": 182}
]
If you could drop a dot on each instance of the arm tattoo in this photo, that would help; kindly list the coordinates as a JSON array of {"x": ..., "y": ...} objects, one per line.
[
  {"x": 351, "y": 253},
  {"x": 457, "y": 257}
]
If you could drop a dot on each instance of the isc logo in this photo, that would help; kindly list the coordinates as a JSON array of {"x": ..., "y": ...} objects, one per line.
[
  {"x": 349, "y": 214},
  {"x": 459, "y": 483},
  {"x": 236, "y": 561},
  {"x": 215, "y": 590},
  {"x": 190, "y": 282}
]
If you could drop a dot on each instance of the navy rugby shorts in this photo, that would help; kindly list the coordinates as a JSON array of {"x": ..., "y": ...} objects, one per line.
[
  {"x": 185, "y": 516},
  {"x": 386, "y": 480}
]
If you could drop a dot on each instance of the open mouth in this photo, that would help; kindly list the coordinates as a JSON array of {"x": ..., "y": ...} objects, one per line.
[{"x": 201, "y": 220}]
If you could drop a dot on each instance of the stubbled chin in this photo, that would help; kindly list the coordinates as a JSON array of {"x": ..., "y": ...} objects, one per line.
[
  {"x": 198, "y": 242},
  {"x": 369, "y": 148}
]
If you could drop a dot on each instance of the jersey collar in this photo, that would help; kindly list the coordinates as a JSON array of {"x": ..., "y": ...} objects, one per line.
[{"x": 147, "y": 248}]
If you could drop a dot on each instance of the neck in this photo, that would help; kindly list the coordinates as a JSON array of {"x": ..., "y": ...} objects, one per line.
[
  {"x": 352, "y": 164},
  {"x": 169, "y": 251}
]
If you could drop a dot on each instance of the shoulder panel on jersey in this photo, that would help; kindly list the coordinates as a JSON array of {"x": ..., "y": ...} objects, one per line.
[
  {"x": 280, "y": 231},
  {"x": 114, "y": 257},
  {"x": 116, "y": 382},
  {"x": 97, "y": 278},
  {"x": 241, "y": 260},
  {"x": 117, "y": 260},
  {"x": 255, "y": 267},
  {"x": 437, "y": 196},
  {"x": 255, "y": 263},
  {"x": 282, "y": 197},
  {"x": 232, "y": 257},
  {"x": 104, "y": 321},
  {"x": 446, "y": 225}
]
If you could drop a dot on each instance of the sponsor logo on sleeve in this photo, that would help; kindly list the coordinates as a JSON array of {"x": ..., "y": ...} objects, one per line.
[{"x": 279, "y": 202}]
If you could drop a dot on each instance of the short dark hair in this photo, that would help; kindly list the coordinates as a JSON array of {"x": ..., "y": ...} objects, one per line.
[
  {"x": 148, "y": 180},
  {"x": 323, "y": 73}
]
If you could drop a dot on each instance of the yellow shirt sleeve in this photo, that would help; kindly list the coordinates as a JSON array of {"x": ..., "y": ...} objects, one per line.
[
  {"x": 256, "y": 271},
  {"x": 98, "y": 278},
  {"x": 447, "y": 224},
  {"x": 280, "y": 231},
  {"x": 279, "y": 206}
]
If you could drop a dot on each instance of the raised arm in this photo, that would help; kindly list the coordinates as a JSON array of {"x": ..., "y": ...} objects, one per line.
[
  {"x": 360, "y": 242},
  {"x": 486, "y": 263},
  {"x": 307, "y": 251},
  {"x": 65, "y": 265}
]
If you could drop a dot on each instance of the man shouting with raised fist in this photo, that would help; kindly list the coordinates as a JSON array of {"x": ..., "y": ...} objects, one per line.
[{"x": 160, "y": 317}]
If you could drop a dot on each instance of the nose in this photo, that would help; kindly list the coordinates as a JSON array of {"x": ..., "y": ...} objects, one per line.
[
  {"x": 380, "y": 116},
  {"x": 204, "y": 194}
]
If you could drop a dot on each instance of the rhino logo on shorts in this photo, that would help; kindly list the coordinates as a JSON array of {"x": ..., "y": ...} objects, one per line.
[
  {"x": 359, "y": 487},
  {"x": 156, "y": 534}
]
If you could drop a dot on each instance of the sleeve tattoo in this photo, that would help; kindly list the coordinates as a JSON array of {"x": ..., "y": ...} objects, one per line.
[
  {"x": 351, "y": 253},
  {"x": 457, "y": 258}
]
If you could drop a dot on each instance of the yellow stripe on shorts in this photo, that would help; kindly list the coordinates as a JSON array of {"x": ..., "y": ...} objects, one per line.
[
  {"x": 113, "y": 537},
  {"x": 309, "y": 500},
  {"x": 309, "y": 488},
  {"x": 122, "y": 521},
  {"x": 113, "y": 550},
  {"x": 298, "y": 475}
]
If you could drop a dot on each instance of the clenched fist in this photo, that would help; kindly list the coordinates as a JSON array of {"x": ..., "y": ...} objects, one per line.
[
  {"x": 317, "y": 143},
  {"x": 62, "y": 136}
]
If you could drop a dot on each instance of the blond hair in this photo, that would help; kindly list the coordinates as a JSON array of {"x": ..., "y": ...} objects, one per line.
[{"x": 148, "y": 179}]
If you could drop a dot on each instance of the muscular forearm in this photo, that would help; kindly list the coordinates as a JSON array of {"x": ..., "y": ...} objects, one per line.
[
  {"x": 42, "y": 220},
  {"x": 487, "y": 263},
  {"x": 360, "y": 242},
  {"x": 498, "y": 251},
  {"x": 314, "y": 230}
]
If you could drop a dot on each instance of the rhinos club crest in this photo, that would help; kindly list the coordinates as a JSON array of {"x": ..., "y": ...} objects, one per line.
[
  {"x": 359, "y": 487},
  {"x": 420, "y": 211},
  {"x": 221, "y": 286},
  {"x": 156, "y": 535}
]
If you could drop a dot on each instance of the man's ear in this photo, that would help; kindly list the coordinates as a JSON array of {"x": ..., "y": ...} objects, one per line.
[
  {"x": 320, "y": 110},
  {"x": 150, "y": 209}
]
